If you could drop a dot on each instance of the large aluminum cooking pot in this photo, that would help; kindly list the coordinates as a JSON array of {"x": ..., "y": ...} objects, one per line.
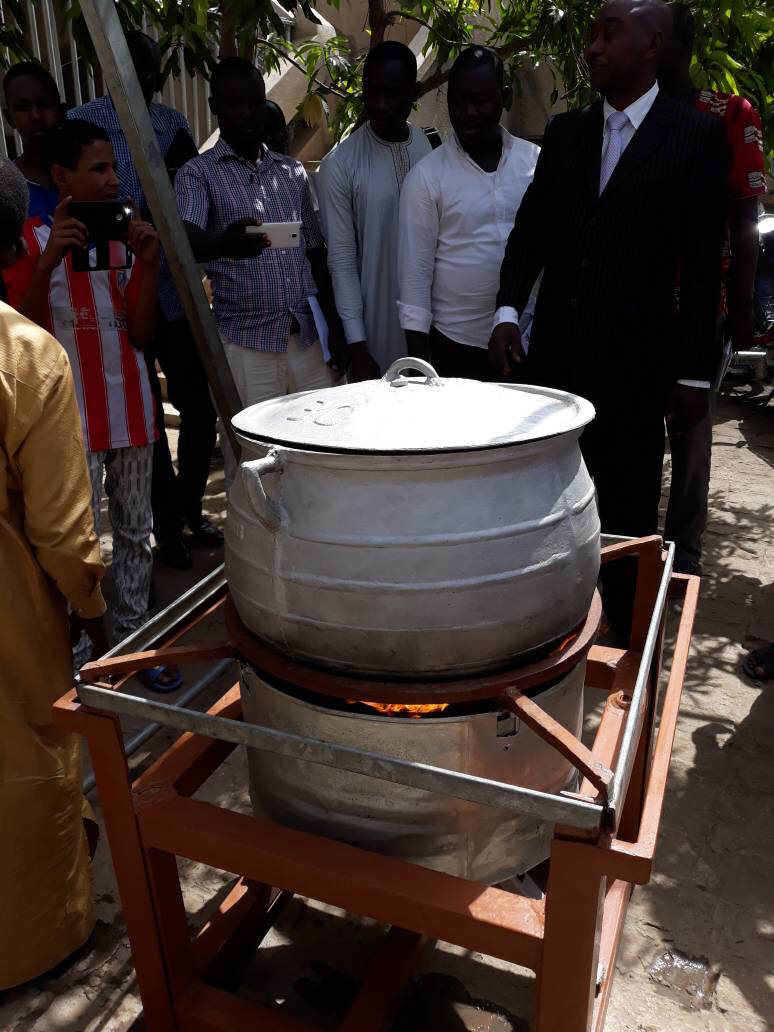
[
  {"x": 413, "y": 526},
  {"x": 451, "y": 835}
]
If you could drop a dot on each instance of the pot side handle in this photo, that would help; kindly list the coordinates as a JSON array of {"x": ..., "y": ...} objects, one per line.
[
  {"x": 271, "y": 514},
  {"x": 393, "y": 374}
]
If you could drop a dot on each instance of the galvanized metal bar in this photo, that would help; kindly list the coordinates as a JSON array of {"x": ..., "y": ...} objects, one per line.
[
  {"x": 183, "y": 109},
  {"x": 32, "y": 22},
  {"x": 119, "y": 75},
  {"x": 194, "y": 119},
  {"x": 150, "y": 730},
  {"x": 543, "y": 805},
  {"x": 77, "y": 93},
  {"x": 52, "y": 44},
  {"x": 636, "y": 715},
  {"x": 208, "y": 121},
  {"x": 167, "y": 620}
]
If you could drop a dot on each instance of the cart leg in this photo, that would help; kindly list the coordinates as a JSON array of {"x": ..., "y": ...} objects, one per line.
[
  {"x": 567, "y": 979},
  {"x": 106, "y": 746},
  {"x": 172, "y": 920}
]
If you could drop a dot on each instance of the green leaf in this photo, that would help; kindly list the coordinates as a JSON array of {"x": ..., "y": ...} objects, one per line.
[{"x": 312, "y": 110}]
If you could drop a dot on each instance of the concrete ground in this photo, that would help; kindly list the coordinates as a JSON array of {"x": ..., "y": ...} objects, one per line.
[{"x": 698, "y": 948}]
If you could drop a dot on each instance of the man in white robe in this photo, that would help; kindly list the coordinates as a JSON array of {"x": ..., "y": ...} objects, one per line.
[{"x": 358, "y": 186}]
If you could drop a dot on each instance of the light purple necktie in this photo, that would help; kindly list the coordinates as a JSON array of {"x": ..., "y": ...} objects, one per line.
[{"x": 612, "y": 150}]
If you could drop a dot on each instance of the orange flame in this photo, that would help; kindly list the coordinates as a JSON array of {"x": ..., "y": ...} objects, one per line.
[
  {"x": 564, "y": 644},
  {"x": 404, "y": 709}
]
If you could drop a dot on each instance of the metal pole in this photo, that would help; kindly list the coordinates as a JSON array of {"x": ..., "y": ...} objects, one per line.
[
  {"x": 77, "y": 92},
  {"x": 32, "y": 21},
  {"x": 119, "y": 75},
  {"x": 204, "y": 592},
  {"x": 52, "y": 45},
  {"x": 543, "y": 805},
  {"x": 150, "y": 730},
  {"x": 633, "y": 726}
]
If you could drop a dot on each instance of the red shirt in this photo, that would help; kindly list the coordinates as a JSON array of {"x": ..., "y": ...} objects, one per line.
[
  {"x": 88, "y": 315},
  {"x": 746, "y": 177},
  {"x": 745, "y": 141}
]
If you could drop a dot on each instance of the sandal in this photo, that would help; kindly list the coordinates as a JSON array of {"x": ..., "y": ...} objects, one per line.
[
  {"x": 154, "y": 679},
  {"x": 759, "y": 664}
]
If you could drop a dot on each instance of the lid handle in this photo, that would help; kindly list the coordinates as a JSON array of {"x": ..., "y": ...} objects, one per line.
[{"x": 393, "y": 374}]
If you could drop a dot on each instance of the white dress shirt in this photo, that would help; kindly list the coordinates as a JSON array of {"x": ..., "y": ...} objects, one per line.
[
  {"x": 636, "y": 114},
  {"x": 454, "y": 224}
]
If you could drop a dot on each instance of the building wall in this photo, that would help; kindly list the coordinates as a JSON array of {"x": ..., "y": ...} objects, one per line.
[{"x": 532, "y": 108}]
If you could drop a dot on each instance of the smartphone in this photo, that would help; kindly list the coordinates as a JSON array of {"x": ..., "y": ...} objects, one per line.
[
  {"x": 280, "y": 234},
  {"x": 107, "y": 226}
]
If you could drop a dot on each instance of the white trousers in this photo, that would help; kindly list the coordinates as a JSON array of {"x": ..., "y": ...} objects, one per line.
[{"x": 260, "y": 375}]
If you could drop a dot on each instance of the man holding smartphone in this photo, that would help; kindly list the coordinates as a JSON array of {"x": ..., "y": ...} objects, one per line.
[{"x": 261, "y": 293}]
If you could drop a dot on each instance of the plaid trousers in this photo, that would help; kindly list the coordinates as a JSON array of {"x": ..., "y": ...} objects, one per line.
[{"x": 127, "y": 480}]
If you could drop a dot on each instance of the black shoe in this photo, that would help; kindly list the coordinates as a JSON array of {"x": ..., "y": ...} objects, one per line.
[
  {"x": 690, "y": 566},
  {"x": 175, "y": 553},
  {"x": 204, "y": 533}
]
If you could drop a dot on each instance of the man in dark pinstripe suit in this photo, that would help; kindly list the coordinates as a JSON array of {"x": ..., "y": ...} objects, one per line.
[{"x": 628, "y": 199}]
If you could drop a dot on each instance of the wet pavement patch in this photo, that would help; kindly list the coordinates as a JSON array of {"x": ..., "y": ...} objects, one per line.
[
  {"x": 693, "y": 977},
  {"x": 439, "y": 1003}
]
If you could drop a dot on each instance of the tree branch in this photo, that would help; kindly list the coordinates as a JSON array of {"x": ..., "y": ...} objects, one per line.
[
  {"x": 313, "y": 77},
  {"x": 392, "y": 15},
  {"x": 440, "y": 75},
  {"x": 433, "y": 81}
]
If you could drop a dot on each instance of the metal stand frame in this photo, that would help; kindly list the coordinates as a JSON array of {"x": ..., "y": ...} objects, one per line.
[{"x": 570, "y": 939}]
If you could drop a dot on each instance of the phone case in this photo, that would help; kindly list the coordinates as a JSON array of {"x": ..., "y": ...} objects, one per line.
[
  {"x": 282, "y": 234},
  {"x": 107, "y": 224}
]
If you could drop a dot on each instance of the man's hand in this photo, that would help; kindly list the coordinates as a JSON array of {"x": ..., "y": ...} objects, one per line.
[
  {"x": 95, "y": 631},
  {"x": 505, "y": 348},
  {"x": 144, "y": 242},
  {"x": 364, "y": 366},
  {"x": 239, "y": 244},
  {"x": 686, "y": 407},
  {"x": 66, "y": 233},
  {"x": 339, "y": 349}
]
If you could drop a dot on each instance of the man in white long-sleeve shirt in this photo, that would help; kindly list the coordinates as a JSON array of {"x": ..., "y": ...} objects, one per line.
[
  {"x": 358, "y": 187},
  {"x": 456, "y": 211}
]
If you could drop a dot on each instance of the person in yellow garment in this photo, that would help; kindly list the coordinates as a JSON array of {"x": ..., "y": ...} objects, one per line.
[{"x": 49, "y": 556}]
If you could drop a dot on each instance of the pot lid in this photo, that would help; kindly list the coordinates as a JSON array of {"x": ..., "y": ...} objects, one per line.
[{"x": 414, "y": 414}]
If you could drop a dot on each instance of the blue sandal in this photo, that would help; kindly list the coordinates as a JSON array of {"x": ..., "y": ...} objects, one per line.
[{"x": 151, "y": 679}]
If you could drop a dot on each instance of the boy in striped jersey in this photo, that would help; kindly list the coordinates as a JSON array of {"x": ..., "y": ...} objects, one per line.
[{"x": 104, "y": 319}]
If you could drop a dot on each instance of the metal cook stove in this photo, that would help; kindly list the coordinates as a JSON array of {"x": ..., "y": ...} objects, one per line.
[{"x": 603, "y": 843}]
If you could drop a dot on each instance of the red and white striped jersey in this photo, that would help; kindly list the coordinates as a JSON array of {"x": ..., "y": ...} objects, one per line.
[{"x": 88, "y": 316}]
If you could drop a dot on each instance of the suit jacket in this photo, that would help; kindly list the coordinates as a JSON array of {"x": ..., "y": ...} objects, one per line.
[{"x": 607, "y": 323}]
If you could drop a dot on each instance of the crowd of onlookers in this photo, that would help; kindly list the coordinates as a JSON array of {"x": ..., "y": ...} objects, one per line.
[{"x": 611, "y": 262}]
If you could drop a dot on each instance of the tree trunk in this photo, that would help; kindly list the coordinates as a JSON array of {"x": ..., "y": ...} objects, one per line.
[
  {"x": 228, "y": 23},
  {"x": 378, "y": 22}
]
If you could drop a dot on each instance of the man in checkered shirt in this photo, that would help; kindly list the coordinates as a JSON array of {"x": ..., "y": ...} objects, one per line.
[
  {"x": 261, "y": 296},
  {"x": 691, "y": 451}
]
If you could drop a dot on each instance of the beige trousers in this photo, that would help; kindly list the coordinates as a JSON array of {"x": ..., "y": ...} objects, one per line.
[{"x": 260, "y": 375}]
